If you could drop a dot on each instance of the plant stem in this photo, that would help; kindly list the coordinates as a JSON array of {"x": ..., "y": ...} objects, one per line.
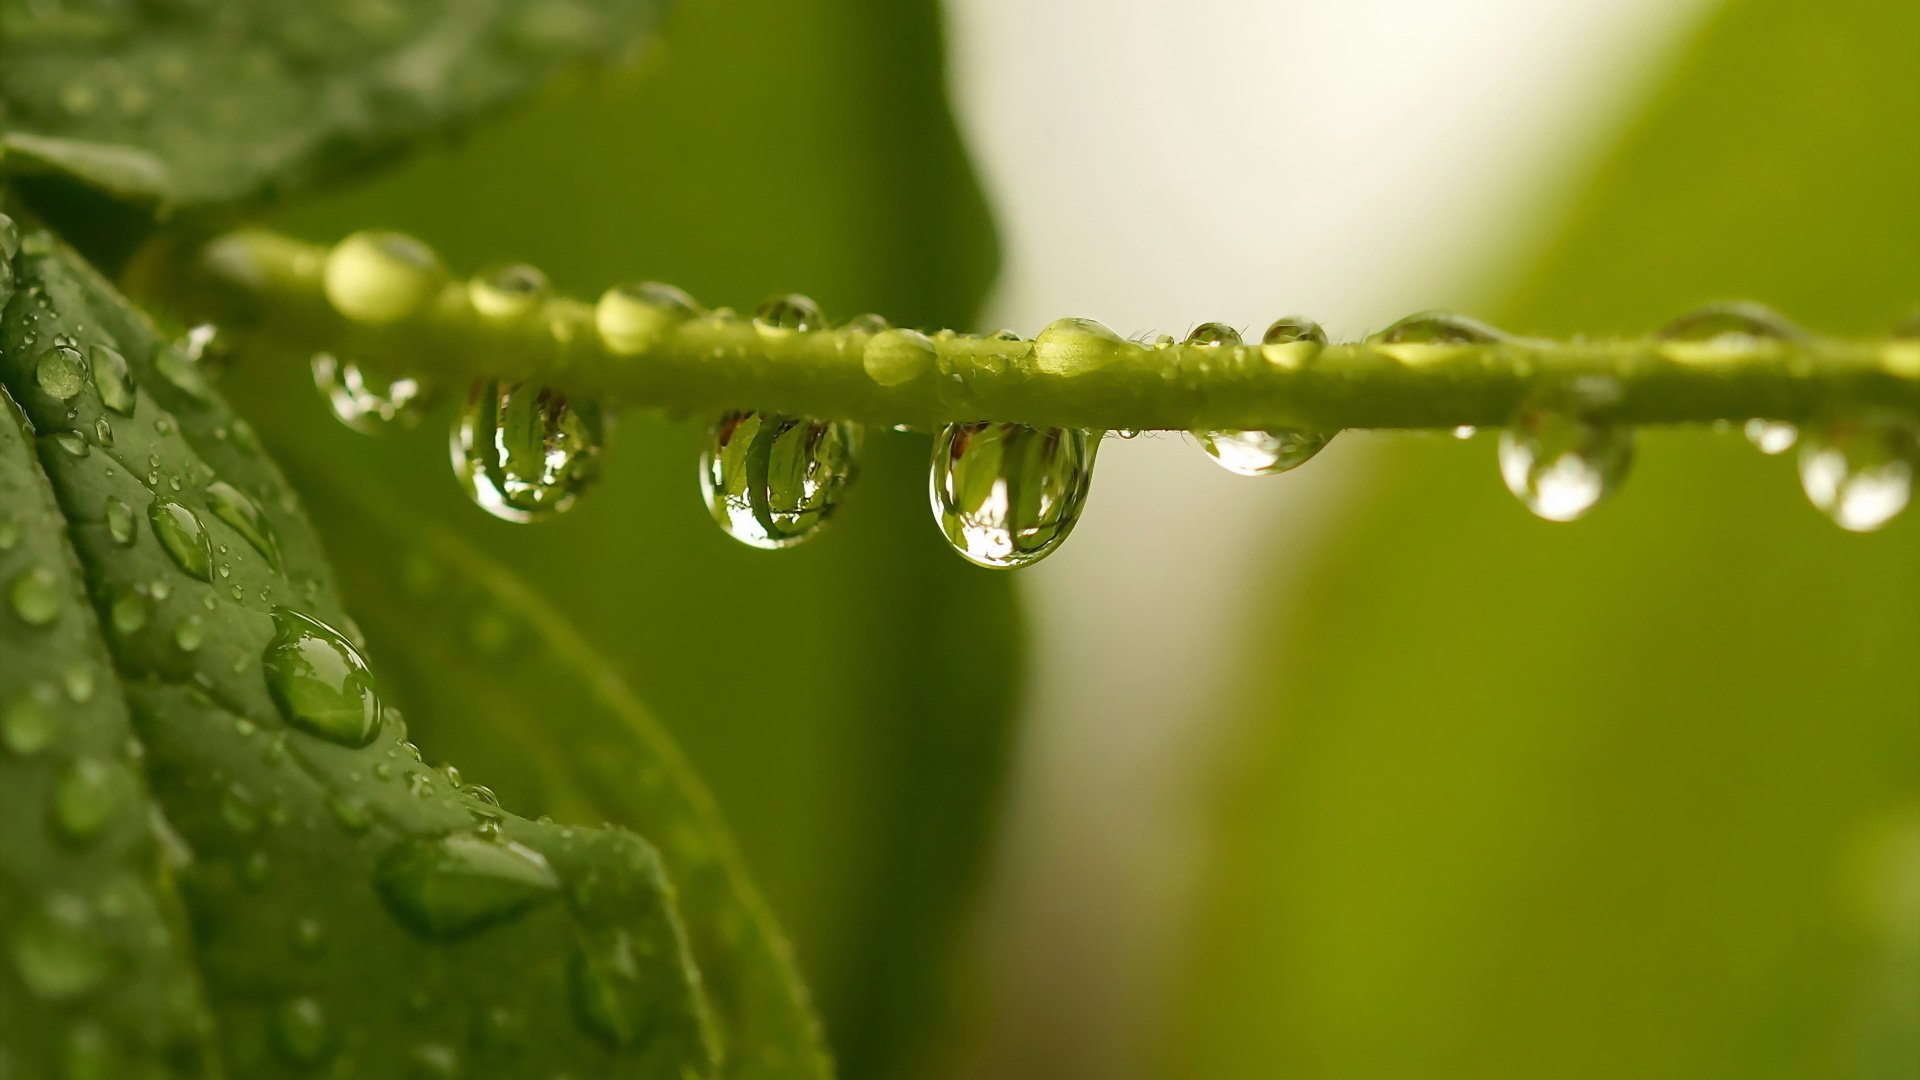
[{"x": 267, "y": 292}]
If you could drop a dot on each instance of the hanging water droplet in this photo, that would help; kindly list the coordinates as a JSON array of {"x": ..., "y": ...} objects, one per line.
[
  {"x": 112, "y": 378},
  {"x": 320, "y": 682},
  {"x": 86, "y": 796},
  {"x": 789, "y": 314},
  {"x": 1261, "y": 453},
  {"x": 634, "y": 317},
  {"x": 120, "y": 523},
  {"x": 1069, "y": 347},
  {"x": 381, "y": 277},
  {"x": 58, "y": 952},
  {"x": 29, "y": 723},
  {"x": 1559, "y": 459},
  {"x": 506, "y": 293},
  {"x": 773, "y": 481},
  {"x": 36, "y": 596},
  {"x": 452, "y": 886},
  {"x": 897, "y": 357},
  {"x": 361, "y": 403},
  {"x": 1771, "y": 436},
  {"x": 300, "y": 1031},
  {"x": 232, "y": 506},
  {"x": 1858, "y": 471},
  {"x": 525, "y": 453},
  {"x": 61, "y": 372},
  {"x": 180, "y": 532},
  {"x": 1006, "y": 495}
]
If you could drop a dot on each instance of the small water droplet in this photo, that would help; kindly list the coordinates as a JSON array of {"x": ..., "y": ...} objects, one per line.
[
  {"x": 789, "y": 314},
  {"x": 58, "y": 952},
  {"x": 525, "y": 453},
  {"x": 1005, "y": 495},
  {"x": 180, "y": 532},
  {"x": 74, "y": 443},
  {"x": 454, "y": 885},
  {"x": 232, "y": 506},
  {"x": 365, "y": 405},
  {"x": 36, "y": 596},
  {"x": 300, "y": 1031},
  {"x": 29, "y": 723},
  {"x": 190, "y": 634},
  {"x": 1069, "y": 347},
  {"x": 319, "y": 681},
  {"x": 868, "y": 324},
  {"x": 1858, "y": 471},
  {"x": 350, "y": 814},
  {"x": 1771, "y": 436},
  {"x": 772, "y": 481},
  {"x": 128, "y": 612},
  {"x": 86, "y": 795},
  {"x": 634, "y": 317},
  {"x": 61, "y": 372},
  {"x": 1560, "y": 460},
  {"x": 113, "y": 379},
  {"x": 1724, "y": 330},
  {"x": 381, "y": 277},
  {"x": 506, "y": 293},
  {"x": 102, "y": 431},
  {"x": 897, "y": 357},
  {"x": 1261, "y": 453}
]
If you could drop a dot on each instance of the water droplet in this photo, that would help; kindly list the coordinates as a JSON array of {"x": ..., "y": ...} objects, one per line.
[
  {"x": 525, "y": 453},
  {"x": 365, "y": 405},
  {"x": 61, "y": 372},
  {"x": 72, "y": 442},
  {"x": 789, "y": 314},
  {"x": 868, "y": 324},
  {"x": 1069, "y": 347},
  {"x": 232, "y": 506},
  {"x": 1771, "y": 436},
  {"x": 300, "y": 1031},
  {"x": 308, "y": 936},
  {"x": 320, "y": 682},
  {"x": 1437, "y": 328},
  {"x": 1294, "y": 330},
  {"x": 350, "y": 814},
  {"x": 1560, "y": 460},
  {"x": 190, "y": 634},
  {"x": 102, "y": 431},
  {"x": 1465, "y": 431},
  {"x": 128, "y": 612},
  {"x": 1260, "y": 453},
  {"x": 113, "y": 379},
  {"x": 773, "y": 481},
  {"x": 58, "y": 952},
  {"x": 381, "y": 277},
  {"x": 36, "y": 596},
  {"x": 506, "y": 293},
  {"x": 86, "y": 795},
  {"x": 1722, "y": 331},
  {"x": 183, "y": 536},
  {"x": 1858, "y": 471},
  {"x": 455, "y": 885},
  {"x": 1213, "y": 335},
  {"x": 1006, "y": 495},
  {"x": 610, "y": 995},
  {"x": 29, "y": 724},
  {"x": 180, "y": 366},
  {"x": 897, "y": 357},
  {"x": 634, "y": 317}
]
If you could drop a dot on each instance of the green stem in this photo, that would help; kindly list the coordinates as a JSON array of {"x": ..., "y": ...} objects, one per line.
[{"x": 266, "y": 290}]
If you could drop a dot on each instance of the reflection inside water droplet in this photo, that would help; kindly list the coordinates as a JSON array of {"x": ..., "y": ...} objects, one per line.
[
  {"x": 1560, "y": 460},
  {"x": 525, "y": 453},
  {"x": 319, "y": 681},
  {"x": 773, "y": 481},
  {"x": 1005, "y": 495},
  {"x": 360, "y": 403},
  {"x": 1858, "y": 471}
]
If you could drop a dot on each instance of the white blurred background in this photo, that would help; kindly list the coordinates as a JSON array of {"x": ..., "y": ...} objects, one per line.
[{"x": 1155, "y": 166}]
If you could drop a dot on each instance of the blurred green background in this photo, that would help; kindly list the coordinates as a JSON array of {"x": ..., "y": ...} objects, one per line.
[{"x": 1634, "y": 797}]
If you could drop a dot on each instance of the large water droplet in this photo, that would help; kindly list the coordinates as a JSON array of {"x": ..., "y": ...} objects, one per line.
[
  {"x": 1771, "y": 436},
  {"x": 897, "y": 357},
  {"x": 180, "y": 532},
  {"x": 58, "y": 951},
  {"x": 1006, "y": 495},
  {"x": 36, "y": 596},
  {"x": 789, "y": 314},
  {"x": 112, "y": 378},
  {"x": 773, "y": 481},
  {"x": 525, "y": 453},
  {"x": 1560, "y": 460},
  {"x": 1069, "y": 347},
  {"x": 634, "y": 317},
  {"x": 1261, "y": 453},
  {"x": 381, "y": 277},
  {"x": 506, "y": 293},
  {"x": 232, "y": 506},
  {"x": 320, "y": 682},
  {"x": 363, "y": 404},
  {"x": 61, "y": 372},
  {"x": 455, "y": 885},
  {"x": 1859, "y": 470}
]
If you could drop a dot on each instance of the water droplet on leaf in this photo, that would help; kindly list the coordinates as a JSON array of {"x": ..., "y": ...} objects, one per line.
[
  {"x": 86, "y": 795},
  {"x": 58, "y": 952},
  {"x": 29, "y": 723},
  {"x": 61, "y": 372},
  {"x": 300, "y": 1031},
  {"x": 180, "y": 532},
  {"x": 1005, "y": 495},
  {"x": 319, "y": 681},
  {"x": 455, "y": 885},
  {"x": 232, "y": 506},
  {"x": 113, "y": 379},
  {"x": 36, "y": 596}
]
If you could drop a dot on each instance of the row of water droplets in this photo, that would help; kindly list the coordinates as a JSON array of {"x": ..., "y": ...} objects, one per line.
[{"x": 1005, "y": 494}]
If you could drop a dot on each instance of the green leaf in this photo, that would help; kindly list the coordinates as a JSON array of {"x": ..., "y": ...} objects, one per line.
[
  {"x": 187, "y": 104},
  {"x": 1640, "y": 795},
  {"x": 350, "y": 908}
]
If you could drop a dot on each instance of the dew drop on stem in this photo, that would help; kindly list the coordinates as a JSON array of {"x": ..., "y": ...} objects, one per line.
[
  {"x": 1275, "y": 450},
  {"x": 773, "y": 481},
  {"x": 525, "y": 453},
  {"x": 1005, "y": 495},
  {"x": 1859, "y": 470}
]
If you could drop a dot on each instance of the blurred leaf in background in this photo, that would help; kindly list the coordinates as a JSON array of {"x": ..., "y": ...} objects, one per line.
[
  {"x": 833, "y": 696},
  {"x": 1641, "y": 796}
]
